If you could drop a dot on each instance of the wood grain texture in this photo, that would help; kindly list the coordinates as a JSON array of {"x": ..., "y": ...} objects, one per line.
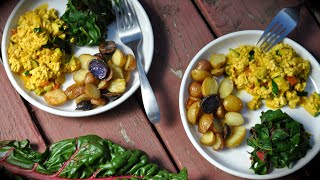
[
  {"x": 234, "y": 15},
  {"x": 15, "y": 121},
  {"x": 125, "y": 124},
  {"x": 6, "y": 6},
  {"x": 180, "y": 33}
]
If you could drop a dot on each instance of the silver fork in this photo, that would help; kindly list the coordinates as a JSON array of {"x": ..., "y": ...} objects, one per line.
[
  {"x": 281, "y": 25},
  {"x": 130, "y": 34}
]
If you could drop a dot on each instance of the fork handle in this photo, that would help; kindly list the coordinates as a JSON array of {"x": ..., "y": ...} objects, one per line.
[{"x": 148, "y": 97}]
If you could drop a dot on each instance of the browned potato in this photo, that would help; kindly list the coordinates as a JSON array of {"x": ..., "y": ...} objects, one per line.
[
  {"x": 205, "y": 122},
  {"x": 79, "y": 76},
  {"x": 204, "y": 64},
  {"x": 85, "y": 59},
  {"x": 127, "y": 75},
  {"x": 217, "y": 126},
  {"x": 55, "y": 97},
  {"x": 92, "y": 91},
  {"x": 208, "y": 138},
  {"x": 82, "y": 97},
  {"x": 219, "y": 143},
  {"x": 236, "y": 137},
  {"x": 209, "y": 86},
  {"x": 190, "y": 101},
  {"x": 117, "y": 86},
  {"x": 74, "y": 91},
  {"x": 103, "y": 84},
  {"x": 217, "y": 72},
  {"x": 117, "y": 72},
  {"x": 195, "y": 89},
  {"x": 99, "y": 102},
  {"x": 221, "y": 112},
  {"x": 130, "y": 63},
  {"x": 199, "y": 74},
  {"x": 119, "y": 58},
  {"x": 90, "y": 79},
  {"x": 193, "y": 112},
  {"x": 217, "y": 60}
]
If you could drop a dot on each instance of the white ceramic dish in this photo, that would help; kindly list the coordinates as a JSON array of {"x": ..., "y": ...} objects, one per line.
[
  {"x": 68, "y": 109},
  {"x": 236, "y": 161}
]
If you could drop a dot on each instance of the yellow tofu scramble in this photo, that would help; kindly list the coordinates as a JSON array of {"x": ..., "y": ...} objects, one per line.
[
  {"x": 34, "y": 51},
  {"x": 279, "y": 76}
]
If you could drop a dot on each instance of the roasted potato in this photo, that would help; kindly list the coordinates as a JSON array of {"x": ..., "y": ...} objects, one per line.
[
  {"x": 205, "y": 122},
  {"x": 199, "y": 74},
  {"x": 74, "y": 91},
  {"x": 79, "y": 76},
  {"x": 204, "y": 64},
  {"x": 209, "y": 86},
  {"x": 225, "y": 87},
  {"x": 193, "y": 112},
  {"x": 233, "y": 119},
  {"x": 190, "y": 101},
  {"x": 237, "y": 135},
  {"x": 119, "y": 58},
  {"x": 219, "y": 143},
  {"x": 98, "y": 102},
  {"x": 208, "y": 138},
  {"x": 195, "y": 89},
  {"x": 85, "y": 59},
  {"x": 130, "y": 63},
  {"x": 103, "y": 84},
  {"x": 92, "y": 91},
  {"x": 217, "y": 60},
  {"x": 55, "y": 97},
  {"x": 117, "y": 86},
  {"x": 90, "y": 79}
]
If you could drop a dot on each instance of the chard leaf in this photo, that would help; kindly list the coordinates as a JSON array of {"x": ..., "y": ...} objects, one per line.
[{"x": 275, "y": 89}]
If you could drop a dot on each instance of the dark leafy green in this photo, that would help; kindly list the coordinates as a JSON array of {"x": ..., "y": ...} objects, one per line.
[
  {"x": 275, "y": 89},
  {"x": 251, "y": 55},
  {"x": 88, "y": 20},
  {"x": 84, "y": 157},
  {"x": 278, "y": 141}
]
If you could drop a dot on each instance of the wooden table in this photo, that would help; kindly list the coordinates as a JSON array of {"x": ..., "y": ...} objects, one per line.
[{"x": 181, "y": 29}]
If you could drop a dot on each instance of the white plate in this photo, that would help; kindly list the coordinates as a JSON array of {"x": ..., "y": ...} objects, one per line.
[
  {"x": 236, "y": 161},
  {"x": 68, "y": 109}
]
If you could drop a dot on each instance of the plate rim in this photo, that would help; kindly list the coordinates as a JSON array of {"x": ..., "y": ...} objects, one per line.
[
  {"x": 187, "y": 130},
  {"x": 51, "y": 109}
]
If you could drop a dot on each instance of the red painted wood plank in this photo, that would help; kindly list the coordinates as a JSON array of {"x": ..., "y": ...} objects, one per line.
[
  {"x": 6, "y": 6},
  {"x": 15, "y": 120},
  {"x": 125, "y": 124},
  {"x": 235, "y": 15}
]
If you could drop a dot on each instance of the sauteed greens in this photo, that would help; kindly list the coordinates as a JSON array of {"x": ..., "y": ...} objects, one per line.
[
  {"x": 88, "y": 20},
  {"x": 277, "y": 141},
  {"x": 83, "y": 157}
]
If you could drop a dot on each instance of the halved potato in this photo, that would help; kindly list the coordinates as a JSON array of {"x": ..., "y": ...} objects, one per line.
[
  {"x": 92, "y": 91},
  {"x": 117, "y": 72},
  {"x": 119, "y": 58},
  {"x": 79, "y": 76},
  {"x": 218, "y": 72},
  {"x": 103, "y": 84},
  {"x": 74, "y": 91},
  {"x": 208, "y": 138},
  {"x": 99, "y": 102},
  {"x": 217, "y": 126},
  {"x": 234, "y": 119},
  {"x": 190, "y": 101},
  {"x": 85, "y": 59},
  {"x": 225, "y": 87},
  {"x": 209, "y": 86},
  {"x": 199, "y": 74},
  {"x": 219, "y": 143},
  {"x": 193, "y": 112},
  {"x": 236, "y": 136},
  {"x": 89, "y": 78},
  {"x": 217, "y": 60},
  {"x": 117, "y": 86},
  {"x": 55, "y": 97},
  {"x": 82, "y": 97},
  {"x": 205, "y": 122},
  {"x": 130, "y": 63}
]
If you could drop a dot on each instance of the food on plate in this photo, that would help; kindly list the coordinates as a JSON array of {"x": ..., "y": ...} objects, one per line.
[
  {"x": 312, "y": 104},
  {"x": 38, "y": 52},
  {"x": 278, "y": 141},
  {"x": 102, "y": 78},
  {"x": 88, "y": 21},
  {"x": 85, "y": 157},
  {"x": 212, "y": 106},
  {"x": 279, "y": 76}
]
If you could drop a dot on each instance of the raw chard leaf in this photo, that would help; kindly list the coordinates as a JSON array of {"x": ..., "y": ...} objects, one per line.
[{"x": 86, "y": 157}]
